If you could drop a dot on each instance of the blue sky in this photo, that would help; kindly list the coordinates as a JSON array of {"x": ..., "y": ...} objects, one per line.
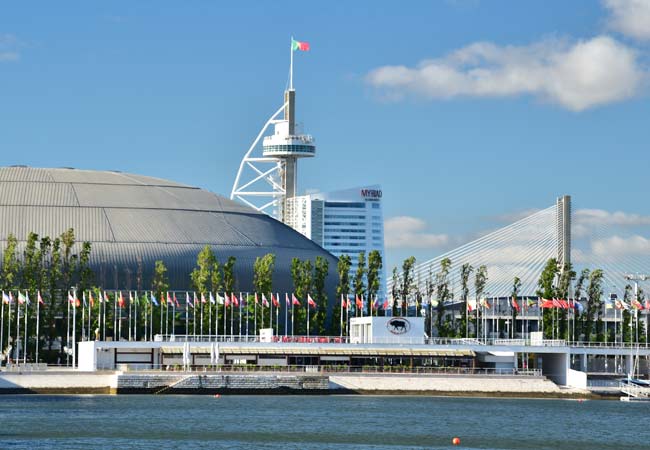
[{"x": 467, "y": 112}]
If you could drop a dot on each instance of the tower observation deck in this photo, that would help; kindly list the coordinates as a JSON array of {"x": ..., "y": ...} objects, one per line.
[{"x": 267, "y": 181}]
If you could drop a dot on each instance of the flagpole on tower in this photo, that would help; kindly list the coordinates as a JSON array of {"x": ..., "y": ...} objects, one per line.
[{"x": 291, "y": 65}]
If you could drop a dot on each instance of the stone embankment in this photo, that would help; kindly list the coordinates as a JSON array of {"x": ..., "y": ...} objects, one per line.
[{"x": 74, "y": 382}]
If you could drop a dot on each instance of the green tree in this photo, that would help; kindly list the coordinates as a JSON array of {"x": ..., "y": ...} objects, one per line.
[
  {"x": 516, "y": 285},
  {"x": 395, "y": 289},
  {"x": 594, "y": 305},
  {"x": 579, "y": 287},
  {"x": 86, "y": 274},
  {"x": 342, "y": 291},
  {"x": 567, "y": 276},
  {"x": 202, "y": 274},
  {"x": 30, "y": 264},
  {"x": 546, "y": 290},
  {"x": 375, "y": 265},
  {"x": 480, "y": 281},
  {"x": 229, "y": 280},
  {"x": 359, "y": 276},
  {"x": 321, "y": 270},
  {"x": 465, "y": 272},
  {"x": 10, "y": 264},
  {"x": 407, "y": 283},
  {"x": 443, "y": 294}
]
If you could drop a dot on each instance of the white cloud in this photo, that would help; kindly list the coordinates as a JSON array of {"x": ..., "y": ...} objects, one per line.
[
  {"x": 602, "y": 217},
  {"x": 409, "y": 232},
  {"x": 577, "y": 75},
  {"x": 621, "y": 246},
  {"x": 630, "y": 17},
  {"x": 8, "y": 48}
]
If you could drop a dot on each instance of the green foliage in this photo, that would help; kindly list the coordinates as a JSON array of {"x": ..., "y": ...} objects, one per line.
[
  {"x": 160, "y": 282},
  {"x": 201, "y": 276},
  {"x": 343, "y": 270},
  {"x": 359, "y": 286},
  {"x": 321, "y": 270},
  {"x": 229, "y": 280},
  {"x": 407, "y": 283},
  {"x": 443, "y": 294},
  {"x": 465, "y": 272},
  {"x": 375, "y": 265},
  {"x": 10, "y": 264},
  {"x": 263, "y": 273}
]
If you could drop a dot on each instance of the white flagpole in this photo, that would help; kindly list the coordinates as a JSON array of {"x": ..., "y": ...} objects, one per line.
[
  {"x": 308, "y": 308},
  {"x": 104, "y": 317},
  {"x": 225, "y": 314},
  {"x": 202, "y": 315},
  {"x": 277, "y": 315},
  {"x": 291, "y": 65},
  {"x": 247, "y": 321},
  {"x": 9, "y": 325},
  {"x": 83, "y": 317},
  {"x": 232, "y": 314},
  {"x": 187, "y": 316},
  {"x": 2, "y": 324},
  {"x": 286, "y": 315},
  {"x": 90, "y": 312},
  {"x": 25, "y": 343},
  {"x": 173, "y": 318},
  {"x": 209, "y": 316},
  {"x": 255, "y": 317},
  {"x": 241, "y": 301},
  {"x": 74, "y": 331},
  {"x": 341, "y": 326},
  {"x": 67, "y": 336},
  {"x": 292, "y": 321},
  {"x": 130, "y": 316},
  {"x": 135, "y": 317}
]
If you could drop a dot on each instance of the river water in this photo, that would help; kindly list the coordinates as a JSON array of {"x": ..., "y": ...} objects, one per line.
[{"x": 317, "y": 422}]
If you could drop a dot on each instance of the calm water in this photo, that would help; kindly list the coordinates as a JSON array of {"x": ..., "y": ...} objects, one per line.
[{"x": 317, "y": 422}]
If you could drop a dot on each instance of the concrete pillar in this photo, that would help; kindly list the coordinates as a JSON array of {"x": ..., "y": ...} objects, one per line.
[{"x": 629, "y": 363}]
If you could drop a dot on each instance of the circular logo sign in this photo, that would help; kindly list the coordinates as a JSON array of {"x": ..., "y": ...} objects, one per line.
[{"x": 398, "y": 325}]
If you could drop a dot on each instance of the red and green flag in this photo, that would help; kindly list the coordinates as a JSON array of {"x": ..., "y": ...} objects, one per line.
[{"x": 297, "y": 45}]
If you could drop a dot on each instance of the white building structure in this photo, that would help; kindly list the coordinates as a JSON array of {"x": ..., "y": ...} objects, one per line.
[{"x": 344, "y": 222}]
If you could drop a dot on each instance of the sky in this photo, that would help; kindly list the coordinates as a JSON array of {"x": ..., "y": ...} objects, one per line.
[{"x": 468, "y": 113}]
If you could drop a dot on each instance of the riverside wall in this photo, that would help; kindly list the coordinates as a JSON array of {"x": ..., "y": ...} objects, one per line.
[{"x": 278, "y": 383}]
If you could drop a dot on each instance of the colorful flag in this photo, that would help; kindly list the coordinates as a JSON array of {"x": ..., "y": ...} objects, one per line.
[
  {"x": 311, "y": 302},
  {"x": 212, "y": 300},
  {"x": 343, "y": 303},
  {"x": 297, "y": 45},
  {"x": 70, "y": 298},
  {"x": 21, "y": 298},
  {"x": 39, "y": 298},
  {"x": 235, "y": 301},
  {"x": 5, "y": 298},
  {"x": 515, "y": 305},
  {"x": 647, "y": 304},
  {"x": 176, "y": 300},
  {"x": 636, "y": 304},
  {"x": 227, "y": 297},
  {"x": 219, "y": 299},
  {"x": 90, "y": 297},
  {"x": 471, "y": 305},
  {"x": 27, "y": 298},
  {"x": 578, "y": 306},
  {"x": 358, "y": 302},
  {"x": 203, "y": 298},
  {"x": 531, "y": 303},
  {"x": 187, "y": 300},
  {"x": 294, "y": 300},
  {"x": 196, "y": 300},
  {"x": 169, "y": 299},
  {"x": 386, "y": 305},
  {"x": 256, "y": 300},
  {"x": 286, "y": 299},
  {"x": 83, "y": 298},
  {"x": 120, "y": 301},
  {"x": 275, "y": 301},
  {"x": 153, "y": 300},
  {"x": 485, "y": 304},
  {"x": 609, "y": 304},
  {"x": 265, "y": 302}
]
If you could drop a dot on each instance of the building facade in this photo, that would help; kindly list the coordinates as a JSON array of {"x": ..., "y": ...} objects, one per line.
[{"x": 344, "y": 222}]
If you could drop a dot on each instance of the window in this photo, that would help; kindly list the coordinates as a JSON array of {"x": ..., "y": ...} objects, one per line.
[
  {"x": 344, "y": 205},
  {"x": 376, "y": 206}
]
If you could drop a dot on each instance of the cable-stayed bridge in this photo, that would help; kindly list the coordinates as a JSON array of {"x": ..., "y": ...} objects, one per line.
[{"x": 586, "y": 239}]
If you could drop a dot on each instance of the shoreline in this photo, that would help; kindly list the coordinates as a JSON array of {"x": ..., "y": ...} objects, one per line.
[{"x": 277, "y": 383}]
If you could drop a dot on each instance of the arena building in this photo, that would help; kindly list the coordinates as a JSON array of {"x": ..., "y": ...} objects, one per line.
[{"x": 134, "y": 220}]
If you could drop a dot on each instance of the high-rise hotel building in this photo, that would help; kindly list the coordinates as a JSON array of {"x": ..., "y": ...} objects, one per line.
[{"x": 344, "y": 222}]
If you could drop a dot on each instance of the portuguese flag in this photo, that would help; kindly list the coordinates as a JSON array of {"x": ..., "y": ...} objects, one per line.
[{"x": 297, "y": 45}]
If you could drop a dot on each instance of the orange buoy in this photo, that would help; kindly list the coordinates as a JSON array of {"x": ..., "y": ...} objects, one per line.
[
  {"x": 217, "y": 395},
  {"x": 455, "y": 441}
]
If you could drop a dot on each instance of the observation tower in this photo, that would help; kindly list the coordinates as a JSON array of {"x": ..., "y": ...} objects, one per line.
[{"x": 266, "y": 182}]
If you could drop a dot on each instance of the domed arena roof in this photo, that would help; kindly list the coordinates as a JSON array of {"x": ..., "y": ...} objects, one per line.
[{"x": 134, "y": 220}]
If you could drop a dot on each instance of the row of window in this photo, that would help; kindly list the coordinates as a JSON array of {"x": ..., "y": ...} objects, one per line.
[
  {"x": 344, "y": 205},
  {"x": 340, "y": 216}
]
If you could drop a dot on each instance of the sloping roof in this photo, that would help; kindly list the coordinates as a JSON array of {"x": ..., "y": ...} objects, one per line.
[{"x": 132, "y": 219}]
